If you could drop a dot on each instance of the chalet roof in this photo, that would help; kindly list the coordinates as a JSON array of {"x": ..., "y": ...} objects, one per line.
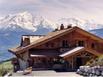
[{"x": 53, "y": 35}]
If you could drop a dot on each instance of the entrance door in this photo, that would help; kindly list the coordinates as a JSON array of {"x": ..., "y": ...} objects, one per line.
[{"x": 78, "y": 62}]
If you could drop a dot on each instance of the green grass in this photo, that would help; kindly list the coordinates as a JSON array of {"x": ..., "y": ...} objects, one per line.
[{"x": 5, "y": 67}]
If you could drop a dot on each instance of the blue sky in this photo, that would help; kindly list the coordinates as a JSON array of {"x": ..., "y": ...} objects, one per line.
[{"x": 56, "y": 9}]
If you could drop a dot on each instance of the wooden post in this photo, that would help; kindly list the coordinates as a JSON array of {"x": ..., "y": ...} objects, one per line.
[{"x": 72, "y": 63}]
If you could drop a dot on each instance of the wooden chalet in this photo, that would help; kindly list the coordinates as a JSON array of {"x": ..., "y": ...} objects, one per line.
[{"x": 72, "y": 46}]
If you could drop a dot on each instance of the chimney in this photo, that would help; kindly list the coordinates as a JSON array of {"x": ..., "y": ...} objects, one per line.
[
  {"x": 69, "y": 26},
  {"x": 61, "y": 27}
]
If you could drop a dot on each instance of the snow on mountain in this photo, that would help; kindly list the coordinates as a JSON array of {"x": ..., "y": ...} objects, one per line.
[
  {"x": 25, "y": 21},
  {"x": 84, "y": 24},
  {"x": 73, "y": 21},
  {"x": 45, "y": 23},
  {"x": 21, "y": 20}
]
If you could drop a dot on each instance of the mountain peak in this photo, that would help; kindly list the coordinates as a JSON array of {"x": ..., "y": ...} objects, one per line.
[
  {"x": 22, "y": 20},
  {"x": 84, "y": 24},
  {"x": 25, "y": 20}
]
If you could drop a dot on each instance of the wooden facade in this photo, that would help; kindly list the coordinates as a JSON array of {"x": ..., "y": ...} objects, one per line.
[{"x": 44, "y": 52}]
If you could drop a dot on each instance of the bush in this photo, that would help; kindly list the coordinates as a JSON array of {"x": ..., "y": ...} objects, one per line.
[
  {"x": 5, "y": 67},
  {"x": 96, "y": 62}
]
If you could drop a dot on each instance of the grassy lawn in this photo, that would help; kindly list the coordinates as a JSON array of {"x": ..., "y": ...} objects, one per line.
[{"x": 5, "y": 67}]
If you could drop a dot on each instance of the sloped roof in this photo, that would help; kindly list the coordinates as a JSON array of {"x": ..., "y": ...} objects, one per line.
[
  {"x": 52, "y": 35},
  {"x": 71, "y": 51},
  {"x": 77, "y": 50}
]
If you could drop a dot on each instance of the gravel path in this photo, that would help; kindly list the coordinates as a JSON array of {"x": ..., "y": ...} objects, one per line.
[{"x": 48, "y": 74}]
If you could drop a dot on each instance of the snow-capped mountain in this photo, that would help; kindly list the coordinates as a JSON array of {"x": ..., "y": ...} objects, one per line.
[
  {"x": 73, "y": 21},
  {"x": 21, "y": 20},
  {"x": 15, "y": 25},
  {"x": 84, "y": 24},
  {"x": 25, "y": 21}
]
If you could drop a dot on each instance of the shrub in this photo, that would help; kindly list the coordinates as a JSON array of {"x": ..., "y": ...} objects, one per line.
[
  {"x": 95, "y": 62},
  {"x": 5, "y": 67}
]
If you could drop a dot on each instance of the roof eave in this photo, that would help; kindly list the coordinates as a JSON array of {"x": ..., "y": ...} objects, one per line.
[
  {"x": 11, "y": 51},
  {"x": 86, "y": 49}
]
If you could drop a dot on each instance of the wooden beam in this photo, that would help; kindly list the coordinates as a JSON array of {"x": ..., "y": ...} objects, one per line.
[{"x": 72, "y": 63}]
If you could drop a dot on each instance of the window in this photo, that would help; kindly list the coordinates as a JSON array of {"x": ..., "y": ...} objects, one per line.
[
  {"x": 80, "y": 43},
  {"x": 52, "y": 44},
  {"x": 64, "y": 43},
  {"x": 92, "y": 45},
  {"x": 47, "y": 45}
]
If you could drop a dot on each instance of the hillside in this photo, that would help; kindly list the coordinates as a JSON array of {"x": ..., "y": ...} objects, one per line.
[{"x": 5, "y": 67}]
